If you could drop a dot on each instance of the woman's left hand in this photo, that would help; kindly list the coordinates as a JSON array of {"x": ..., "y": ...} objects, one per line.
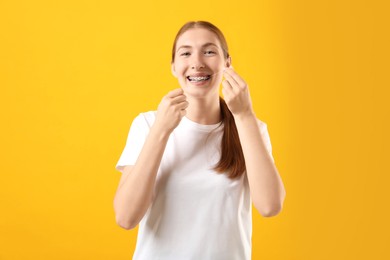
[{"x": 236, "y": 93}]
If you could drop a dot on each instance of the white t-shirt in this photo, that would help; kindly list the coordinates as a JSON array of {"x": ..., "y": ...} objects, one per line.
[{"x": 196, "y": 213}]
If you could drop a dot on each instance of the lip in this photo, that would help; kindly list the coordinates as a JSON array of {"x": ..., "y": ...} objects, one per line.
[
  {"x": 199, "y": 83},
  {"x": 199, "y": 75}
]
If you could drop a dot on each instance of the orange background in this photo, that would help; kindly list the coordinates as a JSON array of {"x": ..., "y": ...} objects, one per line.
[{"x": 74, "y": 74}]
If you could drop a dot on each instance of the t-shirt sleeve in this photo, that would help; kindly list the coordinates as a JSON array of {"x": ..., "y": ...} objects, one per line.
[
  {"x": 135, "y": 140},
  {"x": 267, "y": 139}
]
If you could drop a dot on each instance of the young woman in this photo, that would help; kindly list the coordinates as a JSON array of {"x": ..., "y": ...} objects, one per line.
[{"x": 191, "y": 169}]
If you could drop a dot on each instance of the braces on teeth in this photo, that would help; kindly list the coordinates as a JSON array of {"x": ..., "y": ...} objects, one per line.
[{"x": 198, "y": 78}]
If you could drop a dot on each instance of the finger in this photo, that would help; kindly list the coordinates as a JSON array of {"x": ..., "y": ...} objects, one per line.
[
  {"x": 178, "y": 99},
  {"x": 229, "y": 77},
  {"x": 228, "y": 86},
  {"x": 183, "y": 105},
  {"x": 175, "y": 92},
  {"x": 233, "y": 75},
  {"x": 233, "y": 83},
  {"x": 226, "y": 94}
]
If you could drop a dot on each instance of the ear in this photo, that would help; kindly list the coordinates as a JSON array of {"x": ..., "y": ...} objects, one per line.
[
  {"x": 173, "y": 70},
  {"x": 228, "y": 62}
]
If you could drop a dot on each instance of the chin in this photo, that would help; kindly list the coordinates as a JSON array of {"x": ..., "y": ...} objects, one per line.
[{"x": 200, "y": 92}]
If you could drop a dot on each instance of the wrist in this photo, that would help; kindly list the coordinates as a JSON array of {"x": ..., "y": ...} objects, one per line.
[
  {"x": 160, "y": 132},
  {"x": 245, "y": 115}
]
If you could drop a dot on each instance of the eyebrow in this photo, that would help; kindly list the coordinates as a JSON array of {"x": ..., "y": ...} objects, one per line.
[{"x": 204, "y": 45}]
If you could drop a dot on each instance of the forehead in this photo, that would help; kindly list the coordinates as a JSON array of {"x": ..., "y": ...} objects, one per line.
[{"x": 197, "y": 37}]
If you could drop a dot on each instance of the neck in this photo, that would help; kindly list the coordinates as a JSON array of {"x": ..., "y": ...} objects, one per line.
[{"x": 204, "y": 111}]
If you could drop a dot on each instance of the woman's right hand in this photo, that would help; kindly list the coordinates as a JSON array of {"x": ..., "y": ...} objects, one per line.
[{"x": 171, "y": 110}]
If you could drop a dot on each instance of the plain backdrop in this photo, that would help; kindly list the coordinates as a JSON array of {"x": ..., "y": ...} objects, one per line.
[{"x": 74, "y": 74}]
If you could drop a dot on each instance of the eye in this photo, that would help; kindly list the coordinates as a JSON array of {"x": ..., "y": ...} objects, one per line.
[
  {"x": 210, "y": 52},
  {"x": 184, "y": 54}
]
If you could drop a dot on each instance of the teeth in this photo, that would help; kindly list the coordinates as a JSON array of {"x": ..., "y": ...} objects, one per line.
[{"x": 198, "y": 78}]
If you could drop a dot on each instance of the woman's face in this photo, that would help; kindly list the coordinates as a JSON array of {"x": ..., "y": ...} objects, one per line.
[{"x": 199, "y": 62}]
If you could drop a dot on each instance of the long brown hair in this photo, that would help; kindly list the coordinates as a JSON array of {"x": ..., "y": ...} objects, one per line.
[{"x": 232, "y": 160}]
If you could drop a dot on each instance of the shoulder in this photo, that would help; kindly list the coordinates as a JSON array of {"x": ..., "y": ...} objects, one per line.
[
  {"x": 149, "y": 114},
  {"x": 147, "y": 117}
]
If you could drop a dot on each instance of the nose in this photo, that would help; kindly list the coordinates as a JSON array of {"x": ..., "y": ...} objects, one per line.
[{"x": 197, "y": 62}]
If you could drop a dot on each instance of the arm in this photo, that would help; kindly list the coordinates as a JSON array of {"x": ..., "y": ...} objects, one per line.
[
  {"x": 265, "y": 184},
  {"x": 266, "y": 187},
  {"x": 136, "y": 188},
  {"x": 135, "y": 192}
]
